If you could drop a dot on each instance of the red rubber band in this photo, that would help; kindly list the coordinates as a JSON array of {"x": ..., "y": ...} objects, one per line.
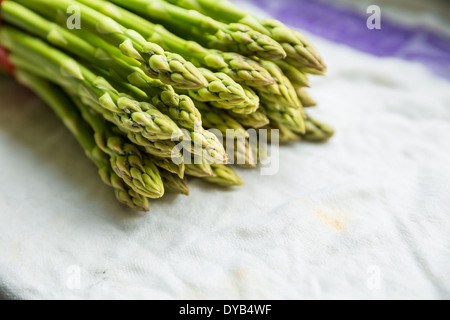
[{"x": 5, "y": 63}]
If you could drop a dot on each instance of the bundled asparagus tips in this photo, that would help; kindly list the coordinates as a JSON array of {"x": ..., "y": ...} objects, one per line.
[
  {"x": 317, "y": 131},
  {"x": 128, "y": 163},
  {"x": 170, "y": 68},
  {"x": 224, "y": 176},
  {"x": 215, "y": 119},
  {"x": 238, "y": 67},
  {"x": 291, "y": 118},
  {"x": 207, "y": 31},
  {"x": 124, "y": 194},
  {"x": 178, "y": 107},
  {"x": 223, "y": 90},
  {"x": 299, "y": 51},
  {"x": 174, "y": 184},
  {"x": 165, "y": 149},
  {"x": 66, "y": 110},
  {"x": 242, "y": 152},
  {"x": 255, "y": 120},
  {"x": 310, "y": 71},
  {"x": 298, "y": 78},
  {"x": 251, "y": 106},
  {"x": 205, "y": 144},
  {"x": 169, "y": 166},
  {"x": 242, "y": 39},
  {"x": 306, "y": 100},
  {"x": 282, "y": 91},
  {"x": 150, "y": 122},
  {"x": 125, "y": 112},
  {"x": 199, "y": 169},
  {"x": 285, "y": 135},
  {"x": 195, "y": 139}
]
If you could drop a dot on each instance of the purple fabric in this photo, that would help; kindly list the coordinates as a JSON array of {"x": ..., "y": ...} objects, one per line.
[{"x": 347, "y": 26}]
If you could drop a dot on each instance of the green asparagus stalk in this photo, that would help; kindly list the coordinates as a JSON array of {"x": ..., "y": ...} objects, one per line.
[
  {"x": 124, "y": 194},
  {"x": 317, "y": 131},
  {"x": 299, "y": 50},
  {"x": 165, "y": 149},
  {"x": 199, "y": 169},
  {"x": 65, "y": 109},
  {"x": 162, "y": 149},
  {"x": 240, "y": 68},
  {"x": 225, "y": 176},
  {"x": 298, "y": 78},
  {"x": 128, "y": 114},
  {"x": 207, "y": 31},
  {"x": 249, "y": 107},
  {"x": 205, "y": 144},
  {"x": 306, "y": 100},
  {"x": 215, "y": 119},
  {"x": 195, "y": 139},
  {"x": 282, "y": 91},
  {"x": 174, "y": 184},
  {"x": 170, "y": 68},
  {"x": 103, "y": 55},
  {"x": 222, "y": 90},
  {"x": 311, "y": 71},
  {"x": 242, "y": 152},
  {"x": 285, "y": 135},
  {"x": 137, "y": 170},
  {"x": 169, "y": 166},
  {"x": 291, "y": 118},
  {"x": 255, "y": 120}
]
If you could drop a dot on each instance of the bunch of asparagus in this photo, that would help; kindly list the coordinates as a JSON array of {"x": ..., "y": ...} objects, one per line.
[{"x": 139, "y": 82}]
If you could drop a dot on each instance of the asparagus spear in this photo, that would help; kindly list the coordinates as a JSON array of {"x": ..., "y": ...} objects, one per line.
[
  {"x": 65, "y": 109},
  {"x": 282, "y": 91},
  {"x": 207, "y": 31},
  {"x": 243, "y": 153},
  {"x": 306, "y": 100},
  {"x": 214, "y": 119},
  {"x": 138, "y": 171},
  {"x": 224, "y": 176},
  {"x": 203, "y": 143},
  {"x": 251, "y": 106},
  {"x": 103, "y": 55},
  {"x": 124, "y": 194},
  {"x": 165, "y": 149},
  {"x": 297, "y": 77},
  {"x": 291, "y": 118},
  {"x": 317, "y": 131},
  {"x": 174, "y": 184},
  {"x": 239, "y": 68},
  {"x": 162, "y": 149},
  {"x": 125, "y": 112},
  {"x": 299, "y": 50},
  {"x": 195, "y": 139},
  {"x": 222, "y": 90},
  {"x": 255, "y": 120},
  {"x": 199, "y": 170},
  {"x": 170, "y": 68},
  {"x": 285, "y": 135},
  {"x": 169, "y": 166}
]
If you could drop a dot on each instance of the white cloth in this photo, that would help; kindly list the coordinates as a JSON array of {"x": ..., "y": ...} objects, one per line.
[{"x": 366, "y": 215}]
